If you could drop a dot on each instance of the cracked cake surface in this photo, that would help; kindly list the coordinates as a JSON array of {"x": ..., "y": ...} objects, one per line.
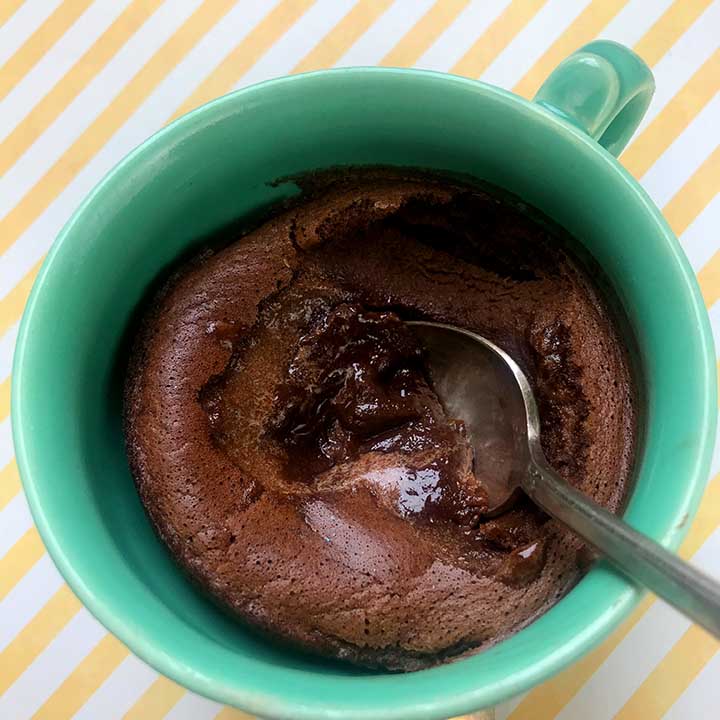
[{"x": 290, "y": 450}]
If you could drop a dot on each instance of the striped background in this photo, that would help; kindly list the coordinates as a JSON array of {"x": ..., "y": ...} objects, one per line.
[{"x": 83, "y": 82}]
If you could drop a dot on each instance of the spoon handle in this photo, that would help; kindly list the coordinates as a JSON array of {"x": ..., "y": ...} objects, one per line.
[{"x": 691, "y": 591}]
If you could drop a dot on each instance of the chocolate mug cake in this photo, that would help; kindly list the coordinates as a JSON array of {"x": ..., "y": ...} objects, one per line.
[{"x": 291, "y": 452}]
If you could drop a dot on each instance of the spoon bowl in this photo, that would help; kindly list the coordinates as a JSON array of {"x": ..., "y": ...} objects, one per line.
[{"x": 483, "y": 386}]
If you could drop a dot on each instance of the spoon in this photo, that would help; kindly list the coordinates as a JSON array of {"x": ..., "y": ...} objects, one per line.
[{"x": 482, "y": 385}]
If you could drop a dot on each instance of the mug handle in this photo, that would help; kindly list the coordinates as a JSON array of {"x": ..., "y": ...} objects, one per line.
[{"x": 603, "y": 88}]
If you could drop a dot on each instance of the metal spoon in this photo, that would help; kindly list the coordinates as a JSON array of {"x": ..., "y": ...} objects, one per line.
[{"x": 482, "y": 385}]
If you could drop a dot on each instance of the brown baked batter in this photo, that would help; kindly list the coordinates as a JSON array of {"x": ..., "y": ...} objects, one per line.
[{"x": 290, "y": 449}]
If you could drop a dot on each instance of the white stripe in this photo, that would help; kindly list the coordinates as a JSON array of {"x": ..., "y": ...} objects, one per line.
[
  {"x": 6, "y": 445},
  {"x": 57, "y": 61},
  {"x": 385, "y": 32},
  {"x": 700, "y": 696},
  {"x": 45, "y": 674},
  {"x": 25, "y": 21},
  {"x": 528, "y": 46},
  {"x": 193, "y": 707},
  {"x": 714, "y": 313},
  {"x": 683, "y": 59},
  {"x": 15, "y": 521},
  {"x": 211, "y": 51},
  {"x": 461, "y": 35},
  {"x": 28, "y": 597},
  {"x": 299, "y": 40},
  {"x": 7, "y": 348},
  {"x": 624, "y": 670},
  {"x": 688, "y": 151},
  {"x": 30, "y": 168},
  {"x": 715, "y": 462},
  {"x": 130, "y": 679},
  {"x": 700, "y": 239},
  {"x": 634, "y": 20}
]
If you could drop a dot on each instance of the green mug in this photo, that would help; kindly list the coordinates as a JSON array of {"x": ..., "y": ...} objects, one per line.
[{"x": 219, "y": 163}]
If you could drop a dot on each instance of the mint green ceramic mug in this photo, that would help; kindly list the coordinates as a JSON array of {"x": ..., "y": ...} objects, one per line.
[{"x": 218, "y": 164}]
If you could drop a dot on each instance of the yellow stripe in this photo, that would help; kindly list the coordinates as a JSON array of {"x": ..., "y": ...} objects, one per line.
[
  {"x": 586, "y": 27},
  {"x": 82, "y": 682},
  {"x": 669, "y": 28},
  {"x": 498, "y": 35},
  {"x": 253, "y": 46},
  {"x": 424, "y": 33},
  {"x": 125, "y": 103},
  {"x": 4, "y": 398},
  {"x": 706, "y": 521},
  {"x": 709, "y": 279},
  {"x": 692, "y": 198},
  {"x": 674, "y": 118},
  {"x": 686, "y": 205},
  {"x": 12, "y": 305},
  {"x": 74, "y": 82},
  {"x": 19, "y": 559},
  {"x": 156, "y": 701},
  {"x": 9, "y": 483},
  {"x": 8, "y": 8},
  {"x": 36, "y": 636},
  {"x": 54, "y": 27},
  {"x": 671, "y": 677},
  {"x": 345, "y": 34},
  {"x": 229, "y": 713}
]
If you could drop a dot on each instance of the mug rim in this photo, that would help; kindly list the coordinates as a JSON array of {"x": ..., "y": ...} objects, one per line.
[{"x": 620, "y": 594}]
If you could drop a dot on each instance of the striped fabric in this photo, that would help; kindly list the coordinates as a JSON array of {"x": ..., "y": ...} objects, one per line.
[{"x": 82, "y": 82}]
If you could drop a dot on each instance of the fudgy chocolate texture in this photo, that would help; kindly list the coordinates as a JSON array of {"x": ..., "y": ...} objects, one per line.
[{"x": 292, "y": 454}]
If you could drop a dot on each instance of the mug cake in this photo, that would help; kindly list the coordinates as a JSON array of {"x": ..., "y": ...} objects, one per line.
[{"x": 291, "y": 452}]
